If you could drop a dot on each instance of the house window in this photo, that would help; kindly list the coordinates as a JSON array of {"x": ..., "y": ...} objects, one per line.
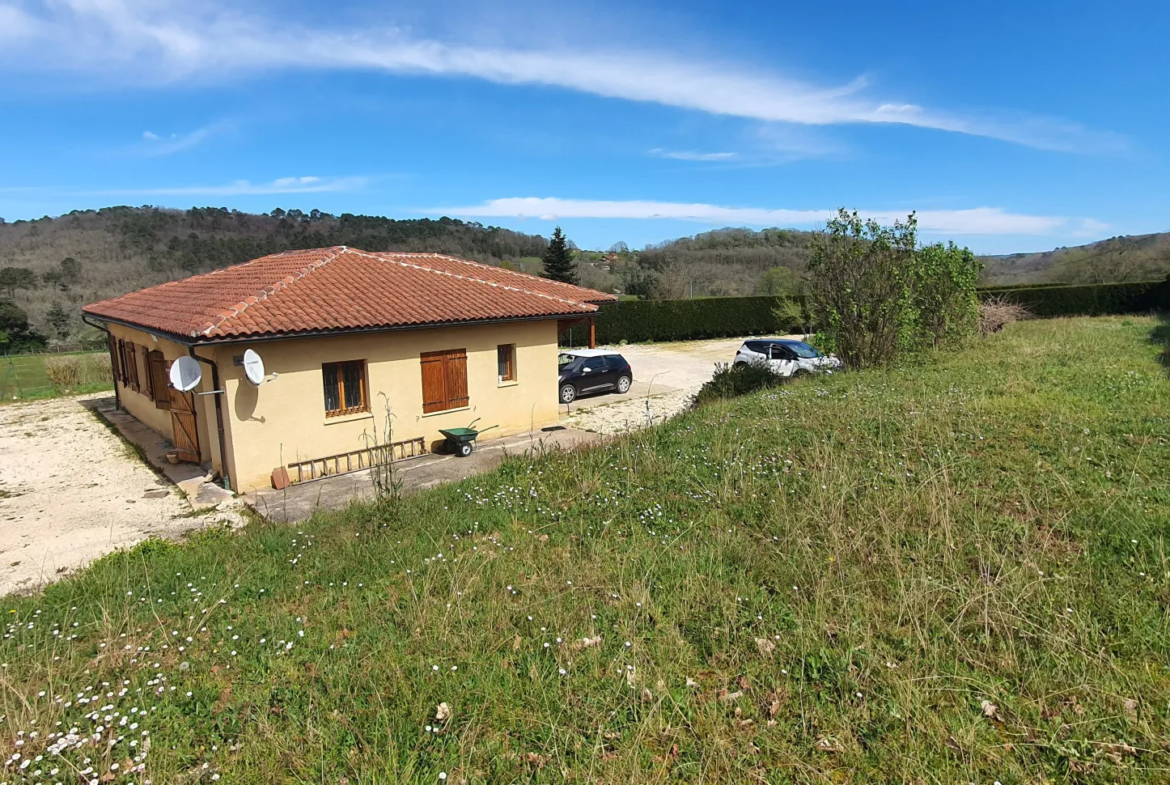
[
  {"x": 444, "y": 380},
  {"x": 506, "y": 362},
  {"x": 345, "y": 388}
]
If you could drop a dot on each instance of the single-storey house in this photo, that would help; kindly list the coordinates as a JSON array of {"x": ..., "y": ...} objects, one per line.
[{"x": 342, "y": 335}]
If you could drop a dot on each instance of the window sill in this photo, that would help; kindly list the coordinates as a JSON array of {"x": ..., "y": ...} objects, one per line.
[
  {"x": 507, "y": 382},
  {"x": 447, "y": 411},
  {"x": 349, "y": 418}
]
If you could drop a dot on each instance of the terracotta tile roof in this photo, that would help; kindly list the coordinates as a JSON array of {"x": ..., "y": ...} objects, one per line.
[{"x": 337, "y": 289}]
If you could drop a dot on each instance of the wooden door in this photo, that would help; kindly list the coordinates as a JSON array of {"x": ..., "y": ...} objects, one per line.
[{"x": 184, "y": 435}]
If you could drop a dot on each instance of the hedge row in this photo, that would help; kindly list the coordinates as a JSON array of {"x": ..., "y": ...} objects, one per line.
[
  {"x": 681, "y": 320},
  {"x": 1089, "y": 300},
  {"x": 718, "y": 317}
]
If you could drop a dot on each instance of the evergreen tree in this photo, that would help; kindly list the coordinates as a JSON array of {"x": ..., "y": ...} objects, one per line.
[
  {"x": 59, "y": 319},
  {"x": 558, "y": 259}
]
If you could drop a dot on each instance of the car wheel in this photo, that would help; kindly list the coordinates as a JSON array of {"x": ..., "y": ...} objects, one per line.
[
  {"x": 624, "y": 383},
  {"x": 568, "y": 393}
]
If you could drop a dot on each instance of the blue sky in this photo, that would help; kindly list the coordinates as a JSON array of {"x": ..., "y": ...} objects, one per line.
[{"x": 1007, "y": 126}]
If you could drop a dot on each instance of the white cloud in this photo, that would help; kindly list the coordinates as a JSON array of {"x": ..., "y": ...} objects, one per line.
[
  {"x": 692, "y": 155},
  {"x": 283, "y": 185},
  {"x": 977, "y": 220},
  {"x": 156, "y": 145},
  {"x": 162, "y": 41}
]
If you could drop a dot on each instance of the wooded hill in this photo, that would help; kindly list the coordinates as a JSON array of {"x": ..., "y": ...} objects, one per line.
[
  {"x": 1143, "y": 257},
  {"x": 119, "y": 249},
  {"x": 90, "y": 255}
]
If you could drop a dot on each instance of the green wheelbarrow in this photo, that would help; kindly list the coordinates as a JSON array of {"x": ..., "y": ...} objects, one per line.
[{"x": 461, "y": 440}]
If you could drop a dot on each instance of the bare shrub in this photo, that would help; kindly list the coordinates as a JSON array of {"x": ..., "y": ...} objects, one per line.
[
  {"x": 72, "y": 371},
  {"x": 95, "y": 369},
  {"x": 63, "y": 372},
  {"x": 997, "y": 312}
]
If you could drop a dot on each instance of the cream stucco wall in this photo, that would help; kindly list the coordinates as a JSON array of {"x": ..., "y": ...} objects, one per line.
[
  {"x": 284, "y": 419},
  {"x": 142, "y": 407}
]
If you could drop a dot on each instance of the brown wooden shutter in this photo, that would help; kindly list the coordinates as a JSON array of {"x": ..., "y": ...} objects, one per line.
[
  {"x": 132, "y": 366},
  {"x": 156, "y": 375},
  {"x": 433, "y": 382},
  {"x": 456, "y": 373},
  {"x": 444, "y": 378},
  {"x": 115, "y": 360}
]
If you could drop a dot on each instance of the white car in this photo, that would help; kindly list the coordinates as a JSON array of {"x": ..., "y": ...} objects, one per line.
[{"x": 786, "y": 356}]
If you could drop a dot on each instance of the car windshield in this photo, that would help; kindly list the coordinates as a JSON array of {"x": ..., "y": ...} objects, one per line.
[
  {"x": 565, "y": 359},
  {"x": 802, "y": 349}
]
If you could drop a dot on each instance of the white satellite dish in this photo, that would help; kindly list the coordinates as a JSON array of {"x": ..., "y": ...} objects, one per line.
[
  {"x": 253, "y": 367},
  {"x": 186, "y": 374}
]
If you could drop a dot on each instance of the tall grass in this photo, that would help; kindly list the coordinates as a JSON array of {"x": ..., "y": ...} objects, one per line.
[{"x": 948, "y": 573}]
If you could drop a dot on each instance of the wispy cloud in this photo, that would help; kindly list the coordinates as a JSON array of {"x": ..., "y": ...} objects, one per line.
[
  {"x": 692, "y": 155},
  {"x": 163, "y": 41},
  {"x": 283, "y": 185},
  {"x": 156, "y": 145},
  {"x": 977, "y": 220}
]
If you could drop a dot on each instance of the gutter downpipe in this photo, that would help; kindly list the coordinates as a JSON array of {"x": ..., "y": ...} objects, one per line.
[
  {"x": 216, "y": 391},
  {"x": 109, "y": 337}
]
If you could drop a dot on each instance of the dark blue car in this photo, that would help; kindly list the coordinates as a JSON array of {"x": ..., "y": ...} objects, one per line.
[{"x": 584, "y": 371}]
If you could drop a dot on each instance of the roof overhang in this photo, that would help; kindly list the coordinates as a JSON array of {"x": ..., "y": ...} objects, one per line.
[{"x": 189, "y": 340}]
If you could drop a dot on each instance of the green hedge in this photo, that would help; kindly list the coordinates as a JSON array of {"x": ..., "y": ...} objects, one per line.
[
  {"x": 1089, "y": 300},
  {"x": 681, "y": 320},
  {"x": 718, "y": 317}
]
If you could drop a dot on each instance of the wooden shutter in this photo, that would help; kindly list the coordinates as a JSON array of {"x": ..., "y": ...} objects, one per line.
[
  {"x": 115, "y": 360},
  {"x": 183, "y": 429},
  {"x": 156, "y": 376},
  {"x": 444, "y": 380},
  {"x": 456, "y": 373},
  {"x": 433, "y": 382},
  {"x": 132, "y": 367}
]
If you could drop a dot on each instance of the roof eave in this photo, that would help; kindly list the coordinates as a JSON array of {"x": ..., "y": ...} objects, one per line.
[{"x": 205, "y": 340}]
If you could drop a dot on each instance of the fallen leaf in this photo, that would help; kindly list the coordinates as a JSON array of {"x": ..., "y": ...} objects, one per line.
[
  {"x": 990, "y": 710},
  {"x": 535, "y": 759},
  {"x": 443, "y": 712},
  {"x": 691, "y": 683},
  {"x": 765, "y": 646},
  {"x": 826, "y": 744},
  {"x": 647, "y": 696},
  {"x": 1130, "y": 707},
  {"x": 728, "y": 697}
]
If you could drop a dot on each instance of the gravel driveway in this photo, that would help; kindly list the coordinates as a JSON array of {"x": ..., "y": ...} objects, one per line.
[
  {"x": 666, "y": 377},
  {"x": 71, "y": 491}
]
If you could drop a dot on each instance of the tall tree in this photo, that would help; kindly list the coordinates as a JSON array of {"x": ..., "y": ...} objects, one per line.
[
  {"x": 13, "y": 278},
  {"x": 558, "y": 259},
  {"x": 70, "y": 270}
]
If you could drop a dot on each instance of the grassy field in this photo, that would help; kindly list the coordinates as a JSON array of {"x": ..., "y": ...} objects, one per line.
[
  {"x": 956, "y": 572},
  {"x": 23, "y": 377}
]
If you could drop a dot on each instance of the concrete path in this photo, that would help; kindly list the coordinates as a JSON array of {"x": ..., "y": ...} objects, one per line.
[{"x": 299, "y": 502}]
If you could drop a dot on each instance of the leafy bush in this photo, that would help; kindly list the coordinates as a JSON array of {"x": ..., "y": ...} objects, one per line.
[
  {"x": 732, "y": 381},
  {"x": 945, "y": 298},
  {"x": 860, "y": 289}
]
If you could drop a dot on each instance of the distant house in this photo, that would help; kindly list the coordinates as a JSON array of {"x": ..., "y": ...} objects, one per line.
[{"x": 342, "y": 333}]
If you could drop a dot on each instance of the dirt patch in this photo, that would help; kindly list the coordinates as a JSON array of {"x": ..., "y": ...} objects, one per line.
[{"x": 70, "y": 491}]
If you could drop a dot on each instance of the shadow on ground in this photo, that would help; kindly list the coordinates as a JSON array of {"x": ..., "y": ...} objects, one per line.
[{"x": 1160, "y": 336}]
